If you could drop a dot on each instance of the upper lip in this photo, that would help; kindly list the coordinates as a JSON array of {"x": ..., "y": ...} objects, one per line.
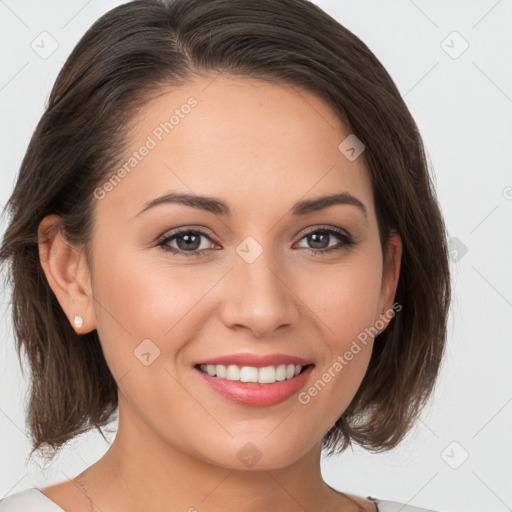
[{"x": 257, "y": 361}]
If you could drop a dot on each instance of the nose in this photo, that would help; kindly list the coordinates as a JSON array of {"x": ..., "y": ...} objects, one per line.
[{"x": 259, "y": 298}]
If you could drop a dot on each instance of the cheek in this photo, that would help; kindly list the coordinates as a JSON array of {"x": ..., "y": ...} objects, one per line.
[
  {"x": 344, "y": 302},
  {"x": 138, "y": 299},
  {"x": 344, "y": 297},
  {"x": 144, "y": 316}
]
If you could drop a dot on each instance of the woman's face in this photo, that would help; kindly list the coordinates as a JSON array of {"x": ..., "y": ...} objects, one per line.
[{"x": 243, "y": 278}]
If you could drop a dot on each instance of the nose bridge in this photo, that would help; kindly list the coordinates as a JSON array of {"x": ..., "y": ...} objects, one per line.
[{"x": 258, "y": 297}]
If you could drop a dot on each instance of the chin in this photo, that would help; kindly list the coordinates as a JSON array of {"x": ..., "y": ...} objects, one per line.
[{"x": 258, "y": 455}]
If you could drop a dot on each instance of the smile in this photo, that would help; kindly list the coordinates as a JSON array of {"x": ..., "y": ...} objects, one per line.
[
  {"x": 254, "y": 380},
  {"x": 264, "y": 375}
]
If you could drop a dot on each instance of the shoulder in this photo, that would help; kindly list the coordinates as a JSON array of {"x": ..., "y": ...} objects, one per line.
[
  {"x": 29, "y": 500},
  {"x": 395, "y": 506}
]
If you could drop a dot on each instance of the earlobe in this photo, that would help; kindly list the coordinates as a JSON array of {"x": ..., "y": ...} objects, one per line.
[{"x": 67, "y": 274}]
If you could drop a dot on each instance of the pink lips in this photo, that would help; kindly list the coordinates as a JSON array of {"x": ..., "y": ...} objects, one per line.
[{"x": 253, "y": 393}]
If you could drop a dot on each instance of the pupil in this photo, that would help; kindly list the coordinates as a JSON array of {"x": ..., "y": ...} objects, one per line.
[
  {"x": 189, "y": 242},
  {"x": 314, "y": 238}
]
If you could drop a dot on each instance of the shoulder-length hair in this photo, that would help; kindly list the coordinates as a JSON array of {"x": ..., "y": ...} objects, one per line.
[{"x": 140, "y": 49}]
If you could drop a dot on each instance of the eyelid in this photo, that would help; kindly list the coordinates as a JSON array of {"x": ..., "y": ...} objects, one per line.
[
  {"x": 325, "y": 227},
  {"x": 203, "y": 231}
]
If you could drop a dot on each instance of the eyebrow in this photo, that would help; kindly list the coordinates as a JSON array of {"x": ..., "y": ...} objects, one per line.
[{"x": 218, "y": 207}]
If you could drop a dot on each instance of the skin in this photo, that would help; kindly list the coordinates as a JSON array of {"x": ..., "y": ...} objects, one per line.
[{"x": 260, "y": 147}]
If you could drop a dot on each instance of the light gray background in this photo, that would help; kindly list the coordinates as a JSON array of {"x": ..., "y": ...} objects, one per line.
[{"x": 462, "y": 102}]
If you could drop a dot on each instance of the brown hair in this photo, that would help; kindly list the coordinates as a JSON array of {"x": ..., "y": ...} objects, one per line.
[{"x": 126, "y": 58}]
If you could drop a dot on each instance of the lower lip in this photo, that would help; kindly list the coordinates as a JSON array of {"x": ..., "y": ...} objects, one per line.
[{"x": 253, "y": 393}]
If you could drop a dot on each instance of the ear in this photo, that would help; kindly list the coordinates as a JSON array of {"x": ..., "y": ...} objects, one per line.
[
  {"x": 389, "y": 282},
  {"x": 67, "y": 272}
]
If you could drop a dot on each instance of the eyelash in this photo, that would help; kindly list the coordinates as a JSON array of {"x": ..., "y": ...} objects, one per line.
[{"x": 347, "y": 241}]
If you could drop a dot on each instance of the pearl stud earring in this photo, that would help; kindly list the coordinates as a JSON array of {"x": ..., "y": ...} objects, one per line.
[{"x": 78, "y": 321}]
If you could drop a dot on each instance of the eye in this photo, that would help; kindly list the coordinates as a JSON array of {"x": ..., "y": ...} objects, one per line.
[
  {"x": 193, "y": 242},
  {"x": 320, "y": 238},
  {"x": 187, "y": 242}
]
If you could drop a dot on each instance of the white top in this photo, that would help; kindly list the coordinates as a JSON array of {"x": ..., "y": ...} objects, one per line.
[
  {"x": 29, "y": 500},
  {"x": 33, "y": 500}
]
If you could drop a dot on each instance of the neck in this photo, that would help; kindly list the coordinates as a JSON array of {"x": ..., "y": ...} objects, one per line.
[{"x": 140, "y": 467}]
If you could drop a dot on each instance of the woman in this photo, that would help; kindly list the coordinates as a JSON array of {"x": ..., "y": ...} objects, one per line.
[{"x": 224, "y": 230}]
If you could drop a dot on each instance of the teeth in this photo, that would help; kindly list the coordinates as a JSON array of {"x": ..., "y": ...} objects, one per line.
[
  {"x": 280, "y": 373},
  {"x": 265, "y": 375},
  {"x": 249, "y": 374},
  {"x": 233, "y": 372}
]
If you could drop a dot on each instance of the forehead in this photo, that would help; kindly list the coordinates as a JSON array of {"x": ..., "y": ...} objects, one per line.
[{"x": 236, "y": 137}]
